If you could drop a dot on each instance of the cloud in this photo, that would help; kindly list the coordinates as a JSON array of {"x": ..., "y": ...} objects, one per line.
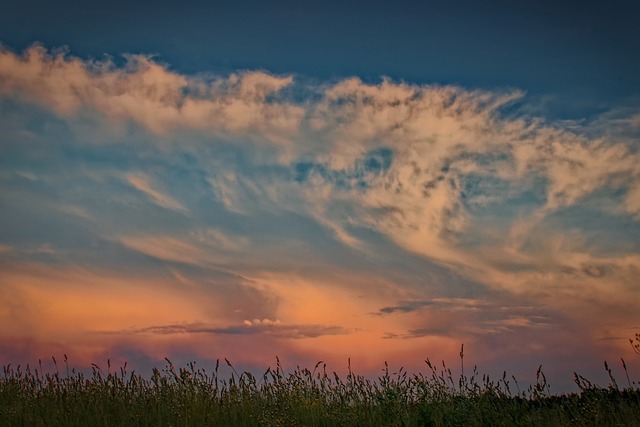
[
  {"x": 405, "y": 307},
  {"x": 262, "y": 327},
  {"x": 165, "y": 248},
  {"x": 632, "y": 201},
  {"x": 506, "y": 325},
  {"x": 442, "y": 139},
  {"x": 205, "y": 247},
  {"x": 141, "y": 183},
  {"x": 436, "y": 303},
  {"x": 258, "y": 322},
  {"x": 469, "y": 319},
  {"x": 149, "y": 94},
  {"x": 250, "y": 206}
]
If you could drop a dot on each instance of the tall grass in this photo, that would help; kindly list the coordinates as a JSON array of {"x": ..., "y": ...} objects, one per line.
[{"x": 192, "y": 396}]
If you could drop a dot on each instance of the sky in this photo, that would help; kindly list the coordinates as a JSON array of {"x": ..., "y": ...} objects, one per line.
[{"x": 379, "y": 181}]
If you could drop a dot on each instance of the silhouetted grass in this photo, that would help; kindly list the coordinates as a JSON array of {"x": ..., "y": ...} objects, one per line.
[{"x": 193, "y": 397}]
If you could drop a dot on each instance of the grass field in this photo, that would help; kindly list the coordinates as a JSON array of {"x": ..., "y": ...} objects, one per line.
[{"x": 191, "y": 396}]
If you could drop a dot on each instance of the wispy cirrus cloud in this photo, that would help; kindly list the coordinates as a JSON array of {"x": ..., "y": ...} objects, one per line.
[
  {"x": 141, "y": 182},
  {"x": 351, "y": 211},
  {"x": 148, "y": 93}
]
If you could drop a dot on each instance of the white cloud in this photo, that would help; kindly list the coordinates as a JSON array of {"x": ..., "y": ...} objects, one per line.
[
  {"x": 263, "y": 322},
  {"x": 454, "y": 183},
  {"x": 166, "y": 248},
  {"x": 142, "y": 183},
  {"x": 149, "y": 94},
  {"x": 632, "y": 200}
]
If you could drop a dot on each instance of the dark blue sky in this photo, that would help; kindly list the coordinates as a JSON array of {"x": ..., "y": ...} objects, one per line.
[{"x": 581, "y": 57}]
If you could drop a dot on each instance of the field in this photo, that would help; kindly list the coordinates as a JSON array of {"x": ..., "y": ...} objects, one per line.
[{"x": 191, "y": 396}]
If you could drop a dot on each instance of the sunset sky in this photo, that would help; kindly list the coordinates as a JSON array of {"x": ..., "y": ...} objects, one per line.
[{"x": 380, "y": 181}]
